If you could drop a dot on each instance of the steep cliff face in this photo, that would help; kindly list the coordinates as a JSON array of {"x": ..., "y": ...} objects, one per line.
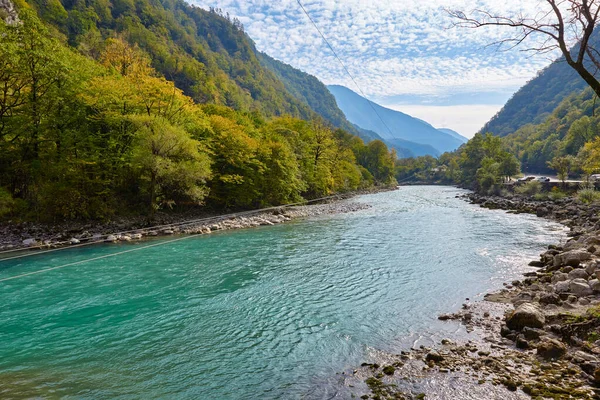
[{"x": 8, "y": 12}]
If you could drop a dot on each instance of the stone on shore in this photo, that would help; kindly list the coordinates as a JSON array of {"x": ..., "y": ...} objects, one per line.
[
  {"x": 572, "y": 258},
  {"x": 562, "y": 287},
  {"x": 580, "y": 287},
  {"x": 30, "y": 242},
  {"x": 578, "y": 274},
  {"x": 595, "y": 285},
  {"x": 551, "y": 349},
  {"x": 526, "y": 315},
  {"x": 434, "y": 356}
]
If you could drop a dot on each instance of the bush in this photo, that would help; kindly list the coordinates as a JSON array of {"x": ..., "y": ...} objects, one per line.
[
  {"x": 7, "y": 203},
  {"x": 556, "y": 194},
  {"x": 531, "y": 188},
  {"x": 588, "y": 195}
]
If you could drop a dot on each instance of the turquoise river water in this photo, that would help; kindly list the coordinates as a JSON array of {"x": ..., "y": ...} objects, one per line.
[{"x": 265, "y": 313}]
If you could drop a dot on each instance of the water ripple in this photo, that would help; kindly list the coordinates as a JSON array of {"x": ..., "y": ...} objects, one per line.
[{"x": 271, "y": 312}]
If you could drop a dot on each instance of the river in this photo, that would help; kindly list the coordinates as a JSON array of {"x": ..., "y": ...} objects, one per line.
[{"x": 264, "y": 313}]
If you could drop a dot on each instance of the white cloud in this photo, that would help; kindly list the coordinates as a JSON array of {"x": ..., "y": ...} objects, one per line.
[
  {"x": 464, "y": 119},
  {"x": 397, "y": 47}
]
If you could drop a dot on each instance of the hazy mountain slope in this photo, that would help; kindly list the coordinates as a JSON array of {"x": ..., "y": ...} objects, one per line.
[
  {"x": 454, "y": 134},
  {"x": 402, "y": 126}
]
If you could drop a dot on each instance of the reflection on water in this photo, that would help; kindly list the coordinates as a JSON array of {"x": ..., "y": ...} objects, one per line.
[{"x": 272, "y": 312}]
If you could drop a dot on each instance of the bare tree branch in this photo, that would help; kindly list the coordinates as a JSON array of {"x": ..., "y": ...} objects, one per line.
[{"x": 562, "y": 22}]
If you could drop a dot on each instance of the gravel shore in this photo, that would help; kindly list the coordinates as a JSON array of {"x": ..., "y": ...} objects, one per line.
[
  {"x": 36, "y": 236},
  {"x": 537, "y": 338}
]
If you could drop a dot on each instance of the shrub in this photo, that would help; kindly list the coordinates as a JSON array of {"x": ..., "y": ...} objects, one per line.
[
  {"x": 556, "y": 194},
  {"x": 587, "y": 193},
  {"x": 7, "y": 203},
  {"x": 531, "y": 188}
]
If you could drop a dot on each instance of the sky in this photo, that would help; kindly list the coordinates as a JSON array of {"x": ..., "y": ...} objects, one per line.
[{"x": 403, "y": 54}]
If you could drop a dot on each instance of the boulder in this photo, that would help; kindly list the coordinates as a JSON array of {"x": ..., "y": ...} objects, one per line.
[
  {"x": 562, "y": 287},
  {"x": 111, "y": 238},
  {"x": 434, "y": 356},
  {"x": 542, "y": 211},
  {"x": 136, "y": 236},
  {"x": 74, "y": 241},
  {"x": 560, "y": 277},
  {"x": 578, "y": 274},
  {"x": 580, "y": 287},
  {"x": 550, "y": 298},
  {"x": 551, "y": 349},
  {"x": 595, "y": 285},
  {"x": 526, "y": 315},
  {"x": 572, "y": 258},
  {"x": 30, "y": 242},
  {"x": 125, "y": 238},
  {"x": 591, "y": 268}
]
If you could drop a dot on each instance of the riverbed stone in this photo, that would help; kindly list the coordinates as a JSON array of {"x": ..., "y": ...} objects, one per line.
[
  {"x": 591, "y": 268},
  {"x": 562, "y": 287},
  {"x": 526, "y": 315},
  {"x": 551, "y": 349},
  {"x": 580, "y": 287},
  {"x": 30, "y": 242},
  {"x": 560, "y": 277},
  {"x": 549, "y": 298},
  {"x": 595, "y": 285},
  {"x": 578, "y": 274},
  {"x": 572, "y": 258},
  {"x": 434, "y": 356}
]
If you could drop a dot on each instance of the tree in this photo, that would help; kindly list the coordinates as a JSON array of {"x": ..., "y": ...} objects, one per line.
[
  {"x": 562, "y": 165},
  {"x": 562, "y": 24},
  {"x": 170, "y": 161},
  {"x": 589, "y": 157}
]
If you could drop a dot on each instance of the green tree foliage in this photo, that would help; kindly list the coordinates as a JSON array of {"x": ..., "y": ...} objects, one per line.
[
  {"x": 562, "y": 165},
  {"x": 101, "y": 131},
  {"x": 482, "y": 163},
  {"x": 170, "y": 161}
]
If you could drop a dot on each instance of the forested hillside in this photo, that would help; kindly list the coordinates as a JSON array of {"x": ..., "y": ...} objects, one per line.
[
  {"x": 309, "y": 90},
  {"x": 93, "y": 125},
  {"x": 535, "y": 101}
]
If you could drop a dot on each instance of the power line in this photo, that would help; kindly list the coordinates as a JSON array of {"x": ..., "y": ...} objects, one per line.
[
  {"x": 10, "y": 278},
  {"x": 344, "y": 66},
  {"x": 102, "y": 238}
]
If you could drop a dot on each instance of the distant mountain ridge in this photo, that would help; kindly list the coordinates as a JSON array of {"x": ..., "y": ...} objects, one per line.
[{"x": 397, "y": 128}]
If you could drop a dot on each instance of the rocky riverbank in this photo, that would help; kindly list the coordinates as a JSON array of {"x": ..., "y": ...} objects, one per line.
[
  {"x": 537, "y": 338},
  {"x": 36, "y": 236}
]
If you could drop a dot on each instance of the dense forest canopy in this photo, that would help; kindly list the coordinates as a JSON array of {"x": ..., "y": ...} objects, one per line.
[{"x": 101, "y": 112}]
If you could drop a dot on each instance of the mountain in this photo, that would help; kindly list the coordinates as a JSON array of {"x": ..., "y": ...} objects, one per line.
[
  {"x": 205, "y": 53},
  {"x": 535, "y": 101},
  {"x": 310, "y": 90},
  {"x": 404, "y": 148},
  {"x": 454, "y": 134},
  {"x": 401, "y": 126}
]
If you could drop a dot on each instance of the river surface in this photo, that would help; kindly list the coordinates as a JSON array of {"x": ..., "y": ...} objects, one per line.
[{"x": 265, "y": 313}]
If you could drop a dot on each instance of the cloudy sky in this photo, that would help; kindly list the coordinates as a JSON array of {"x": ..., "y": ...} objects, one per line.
[{"x": 403, "y": 54}]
